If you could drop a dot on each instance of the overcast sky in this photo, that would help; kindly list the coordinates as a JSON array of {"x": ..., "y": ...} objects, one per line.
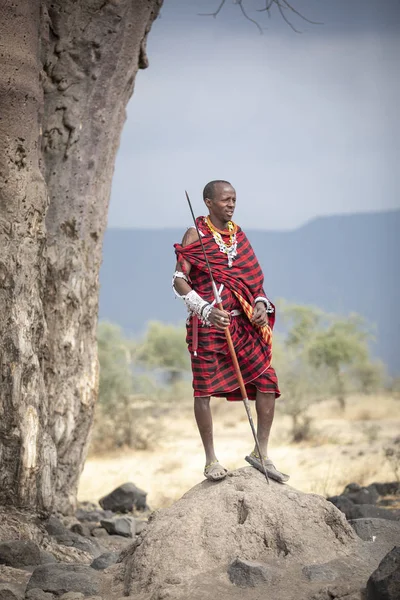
[{"x": 302, "y": 124}]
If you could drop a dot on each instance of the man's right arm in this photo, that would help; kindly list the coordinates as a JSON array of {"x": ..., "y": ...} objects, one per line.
[
  {"x": 183, "y": 267},
  {"x": 219, "y": 318}
]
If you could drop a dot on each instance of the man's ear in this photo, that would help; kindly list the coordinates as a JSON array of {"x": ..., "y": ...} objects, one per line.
[{"x": 207, "y": 202}]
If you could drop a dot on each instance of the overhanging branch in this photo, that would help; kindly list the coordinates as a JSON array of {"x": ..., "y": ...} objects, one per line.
[{"x": 282, "y": 6}]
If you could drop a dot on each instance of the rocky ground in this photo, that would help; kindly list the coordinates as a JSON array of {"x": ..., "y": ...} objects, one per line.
[
  {"x": 237, "y": 539},
  {"x": 343, "y": 446}
]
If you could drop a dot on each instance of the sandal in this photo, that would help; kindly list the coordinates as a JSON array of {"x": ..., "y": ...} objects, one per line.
[
  {"x": 272, "y": 471},
  {"x": 210, "y": 471}
]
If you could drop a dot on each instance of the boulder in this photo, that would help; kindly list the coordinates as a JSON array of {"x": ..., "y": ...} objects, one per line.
[
  {"x": 20, "y": 553},
  {"x": 81, "y": 529},
  {"x": 93, "y": 516},
  {"x": 99, "y": 532},
  {"x": 361, "y": 495},
  {"x": 72, "y": 596},
  {"x": 202, "y": 535},
  {"x": 104, "y": 561},
  {"x": 320, "y": 572},
  {"x": 124, "y": 526},
  {"x": 361, "y": 511},
  {"x": 46, "y": 557},
  {"x": 375, "y": 530},
  {"x": 63, "y": 577},
  {"x": 140, "y": 526},
  {"x": 384, "y": 583},
  {"x": 124, "y": 499},
  {"x": 90, "y": 546},
  {"x": 246, "y": 573},
  {"x": 390, "y": 488},
  {"x": 37, "y": 594},
  {"x": 9, "y": 591},
  {"x": 54, "y": 527}
]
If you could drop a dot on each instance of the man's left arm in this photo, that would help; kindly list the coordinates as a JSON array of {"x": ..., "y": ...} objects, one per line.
[{"x": 263, "y": 308}]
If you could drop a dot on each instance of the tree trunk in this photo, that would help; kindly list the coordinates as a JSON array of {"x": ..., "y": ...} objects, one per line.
[
  {"x": 90, "y": 52},
  {"x": 27, "y": 453}
]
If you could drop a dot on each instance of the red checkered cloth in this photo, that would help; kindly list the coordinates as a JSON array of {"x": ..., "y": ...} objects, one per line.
[{"x": 213, "y": 370}]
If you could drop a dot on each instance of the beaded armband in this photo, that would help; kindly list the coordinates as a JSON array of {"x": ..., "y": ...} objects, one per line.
[
  {"x": 196, "y": 305},
  {"x": 178, "y": 275},
  {"x": 268, "y": 305}
]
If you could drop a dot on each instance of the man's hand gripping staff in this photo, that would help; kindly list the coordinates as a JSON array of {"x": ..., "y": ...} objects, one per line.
[{"x": 222, "y": 320}]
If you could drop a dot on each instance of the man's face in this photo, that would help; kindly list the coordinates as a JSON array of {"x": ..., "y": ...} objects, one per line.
[{"x": 222, "y": 206}]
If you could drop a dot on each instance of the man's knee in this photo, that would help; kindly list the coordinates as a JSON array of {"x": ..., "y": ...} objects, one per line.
[
  {"x": 265, "y": 400},
  {"x": 202, "y": 402}
]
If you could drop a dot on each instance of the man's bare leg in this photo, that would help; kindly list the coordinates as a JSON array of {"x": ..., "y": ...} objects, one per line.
[
  {"x": 202, "y": 412},
  {"x": 265, "y": 407}
]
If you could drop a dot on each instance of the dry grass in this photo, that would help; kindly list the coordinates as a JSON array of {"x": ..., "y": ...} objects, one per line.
[{"x": 344, "y": 448}]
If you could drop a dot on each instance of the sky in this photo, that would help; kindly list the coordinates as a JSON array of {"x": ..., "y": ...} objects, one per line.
[{"x": 302, "y": 124}]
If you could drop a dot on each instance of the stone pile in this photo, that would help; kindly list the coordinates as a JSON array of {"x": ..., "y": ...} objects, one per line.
[{"x": 78, "y": 550}]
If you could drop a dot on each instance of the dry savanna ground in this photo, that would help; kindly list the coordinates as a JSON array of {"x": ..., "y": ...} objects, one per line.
[{"x": 344, "y": 447}]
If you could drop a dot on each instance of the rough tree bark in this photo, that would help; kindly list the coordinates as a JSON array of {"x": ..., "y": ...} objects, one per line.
[{"x": 86, "y": 55}]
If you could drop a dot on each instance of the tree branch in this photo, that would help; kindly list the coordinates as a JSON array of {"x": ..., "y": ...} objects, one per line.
[
  {"x": 246, "y": 16},
  {"x": 282, "y": 6},
  {"x": 214, "y": 14}
]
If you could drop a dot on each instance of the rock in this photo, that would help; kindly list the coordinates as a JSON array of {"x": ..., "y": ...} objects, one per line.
[
  {"x": 115, "y": 543},
  {"x": 372, "y": 530},
  {"x": 124, "y": 526},
  {"x": 9, "y": 591},
  {"x": 81, "y": 529},
  {"x": 245, "y": 573},
  {"x": 46, "y": 557},
  {"x": 37, "y": 594},
  {"x": 62, "y": 578},
  {"x": 361, "y": 495},
  {"x": 91, "y": 546},
  {"x": 74, "y": 540},
  {"x": 360, "y": 511},
  {"x": 105, "y": 560},
  {"x": 93, "y": 516},
  {"x": 99, "y": 532},
  {"x": 19, "y": 553},
  {"x": 72, "y": 596},
  {"x": 124, "y": 498},
  {"x": 140, "y": 526},
  {"x": 320, "y": 572},
  {"x": 203, "y": 532},
  {"x": 384, "y": 583},
  {"x": 54, "y": 527},
  {"x": 17, "y": 577},
  {"x": 392, "y": 488},
  {"x": 66, "y": 537}
]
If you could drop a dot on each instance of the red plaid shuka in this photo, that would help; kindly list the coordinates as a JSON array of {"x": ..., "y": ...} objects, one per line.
[{"x": 213, "y": 370}]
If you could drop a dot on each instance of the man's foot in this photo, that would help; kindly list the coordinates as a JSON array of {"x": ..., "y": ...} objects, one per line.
[
  {"x": 214, "y": 471},
  {"x": 272, "y": 471}
]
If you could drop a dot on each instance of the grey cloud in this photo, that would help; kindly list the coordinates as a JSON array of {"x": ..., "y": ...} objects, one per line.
[{"x": 302, "y": 125}]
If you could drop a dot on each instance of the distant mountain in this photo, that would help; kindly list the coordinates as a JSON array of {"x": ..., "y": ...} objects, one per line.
[{"x": 341, "y": 263}]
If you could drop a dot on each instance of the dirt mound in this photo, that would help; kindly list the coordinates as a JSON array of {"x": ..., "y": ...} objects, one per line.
[{"x": 188, "y": 549}]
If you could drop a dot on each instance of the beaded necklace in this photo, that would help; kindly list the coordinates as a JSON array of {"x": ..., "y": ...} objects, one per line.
[{"x": 228, "y": 248}]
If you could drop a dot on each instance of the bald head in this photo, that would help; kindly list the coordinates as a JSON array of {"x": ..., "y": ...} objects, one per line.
[{"x": 211, "y": 188}]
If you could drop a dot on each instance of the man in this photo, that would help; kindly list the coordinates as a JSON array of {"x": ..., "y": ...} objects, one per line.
[{"x": 247, "y": 312}]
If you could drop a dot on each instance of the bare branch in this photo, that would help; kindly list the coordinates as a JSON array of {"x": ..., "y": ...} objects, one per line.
[
  {"x": 296, "y": 12},
  {"x": 282, "y": 6},
  {"x": 214, "y": 14},
  {"x": 284, "y": 17},
  {"x": 246, "y": 16},
  {"x": 267, "y": 6}
]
